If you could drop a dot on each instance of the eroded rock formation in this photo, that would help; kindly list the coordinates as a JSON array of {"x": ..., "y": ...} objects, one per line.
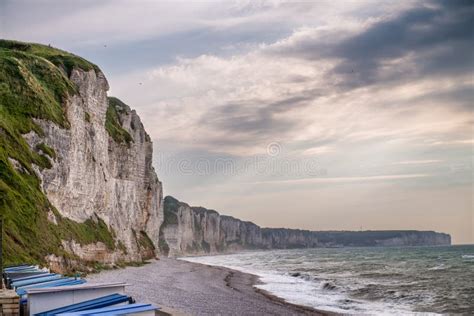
[
  {"x": 94, "y": 175},
  {"x": 195, "y": 230}
]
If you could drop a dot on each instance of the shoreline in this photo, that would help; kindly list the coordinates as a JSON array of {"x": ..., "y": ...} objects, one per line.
[
  {"x": 186, "y": 288},
  {"x": 255, "y": 280},
  {"x": 302, "y": 308}
]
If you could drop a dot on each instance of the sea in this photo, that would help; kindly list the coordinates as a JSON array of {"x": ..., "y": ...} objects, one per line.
[{"x": 374, "y": 281}]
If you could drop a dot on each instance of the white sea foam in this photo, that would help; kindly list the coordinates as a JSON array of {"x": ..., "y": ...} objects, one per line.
[
  {"x": 300, "y": 290},
  {"x": 439, "y": 267}
]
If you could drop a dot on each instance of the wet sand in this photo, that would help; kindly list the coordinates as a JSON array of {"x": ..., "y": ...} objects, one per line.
[{"x": 186, "y": 288}]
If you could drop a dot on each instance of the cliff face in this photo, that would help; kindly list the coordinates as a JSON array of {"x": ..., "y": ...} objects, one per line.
[
  {"x": 86, "y": 162},
  {"x": 96, "y": 176},
  {"x": 190, "y": 230},
  {"x": 187, "y": 230}
]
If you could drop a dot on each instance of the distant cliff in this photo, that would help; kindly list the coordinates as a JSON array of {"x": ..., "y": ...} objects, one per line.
[{"x": 190, "y": 230}]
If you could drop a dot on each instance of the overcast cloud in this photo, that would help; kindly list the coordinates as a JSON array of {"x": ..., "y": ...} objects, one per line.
[{"x": 325, "y": 115}]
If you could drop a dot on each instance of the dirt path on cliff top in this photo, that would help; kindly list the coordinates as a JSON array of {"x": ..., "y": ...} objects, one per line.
[{"x": 197, "y": 289}]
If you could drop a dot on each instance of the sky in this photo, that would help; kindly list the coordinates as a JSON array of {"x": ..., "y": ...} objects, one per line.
[{"x": 343, "y": 115}]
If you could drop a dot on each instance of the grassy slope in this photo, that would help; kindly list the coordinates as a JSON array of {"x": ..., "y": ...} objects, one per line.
[{"x": 34, "y": 84}]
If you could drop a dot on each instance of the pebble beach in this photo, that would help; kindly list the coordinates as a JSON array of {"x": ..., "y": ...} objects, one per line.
[{"x": 185, "y": 288}]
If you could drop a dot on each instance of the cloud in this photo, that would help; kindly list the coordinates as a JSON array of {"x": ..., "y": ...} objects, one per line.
[
  {"x": 92, "y": 23},
  {"x": 416, "y": 162},
  {"x": 345, "y": 179},
  {"x": 433, "y": 38},
  {"x": 430, "y": 40},
  {"x": 318, "y": 150},
  {"x": 469, "y": 141},
  {"x": 241, "y": 103},
  {"x": 323, "y": 79},
  {"x": 247, "y": 97}
]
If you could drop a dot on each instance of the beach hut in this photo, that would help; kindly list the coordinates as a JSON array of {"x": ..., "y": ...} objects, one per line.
[
  {"x": 131, "y": 309},
  {"x": 45, "y": 299},
  {"x": 43, "y": 293},
  {"x": 22, "y": 272},
  {"x": 35, "y": 280},
  {"x": 101, "y": 302},
  {"x": 61, "y": 282}
]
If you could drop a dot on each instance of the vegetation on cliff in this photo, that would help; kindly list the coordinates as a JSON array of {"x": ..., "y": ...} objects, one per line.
[
  {"x": 34, "y": 84},
  {"x": 113, "y": 123}
]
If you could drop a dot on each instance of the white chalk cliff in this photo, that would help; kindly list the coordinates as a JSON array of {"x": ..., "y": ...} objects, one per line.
[
  {"x": 95, "y": 176},
  {"x": 196, "y": 230}
]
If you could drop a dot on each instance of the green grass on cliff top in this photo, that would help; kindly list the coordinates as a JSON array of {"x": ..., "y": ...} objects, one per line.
[
  {"x": 59, "y": 58},
  {"x": 34, "y": 83}
]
